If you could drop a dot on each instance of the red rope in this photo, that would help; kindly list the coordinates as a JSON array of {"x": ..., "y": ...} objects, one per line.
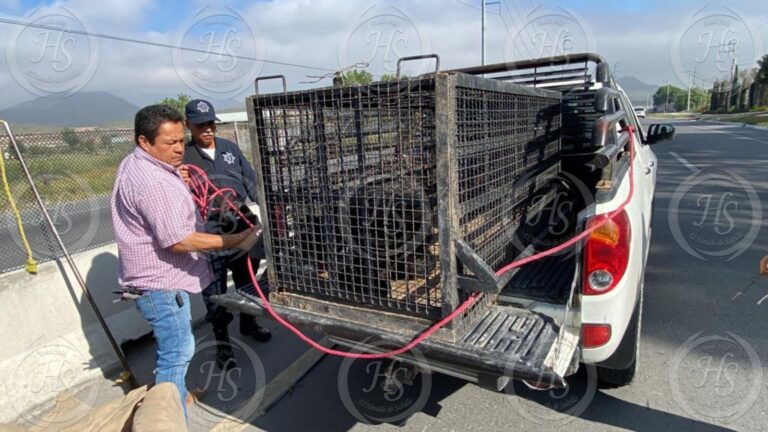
[
  {"x": 200, "y": 186},
  {"x": 437, "y": 326},
  {"x": 463, "y": 307}
]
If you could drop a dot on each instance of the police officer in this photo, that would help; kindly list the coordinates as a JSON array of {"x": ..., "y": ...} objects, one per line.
[{"x": 226, "y": 167}]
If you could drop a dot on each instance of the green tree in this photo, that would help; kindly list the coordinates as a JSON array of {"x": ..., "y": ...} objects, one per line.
[
  {"x": 734, "y": 91},
  {"x": 699, "y": 97},
  {"x": 356, "y": 77},
  {"x": 668, "y": 97},
  {"x": 70, "y": 137},
  {"x": 762, "y": 75},
  {"x": 179, "y": 102},
  {"x": 388, "y": 78},
  {"x": 392, "y": 77}
]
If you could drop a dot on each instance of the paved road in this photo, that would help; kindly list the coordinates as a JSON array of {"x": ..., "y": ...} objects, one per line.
[
  {"x": 704, "y": 334},
  {"x": 82, "y": 225}
]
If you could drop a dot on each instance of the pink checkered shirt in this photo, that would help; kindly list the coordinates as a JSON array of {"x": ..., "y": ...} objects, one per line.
[{"x": 152, "y": 209}]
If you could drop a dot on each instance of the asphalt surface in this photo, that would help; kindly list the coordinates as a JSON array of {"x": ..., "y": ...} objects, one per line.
[
  {"x": 704, "y": 344},
  {"x": 82, "y": 225}
]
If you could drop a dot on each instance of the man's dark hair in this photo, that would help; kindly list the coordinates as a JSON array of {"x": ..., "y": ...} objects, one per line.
[{"x": 149, "y": 119}]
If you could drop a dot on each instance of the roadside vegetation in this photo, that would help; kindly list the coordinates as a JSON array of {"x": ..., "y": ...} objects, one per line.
[{"x": 66, "y": 175}]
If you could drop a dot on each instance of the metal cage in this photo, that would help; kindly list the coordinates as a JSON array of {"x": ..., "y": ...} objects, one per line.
[{"x": 390, "y": 194}]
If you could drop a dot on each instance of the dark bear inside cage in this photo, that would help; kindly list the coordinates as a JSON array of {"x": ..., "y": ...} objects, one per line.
[{"x": 367, "y": 188}]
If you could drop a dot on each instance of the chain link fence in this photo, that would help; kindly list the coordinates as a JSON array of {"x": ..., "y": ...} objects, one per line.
[{"x": 74, "y": 171}]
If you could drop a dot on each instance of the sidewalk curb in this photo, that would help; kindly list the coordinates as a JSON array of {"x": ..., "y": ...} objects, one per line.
[{"x": 744, "y": 125}]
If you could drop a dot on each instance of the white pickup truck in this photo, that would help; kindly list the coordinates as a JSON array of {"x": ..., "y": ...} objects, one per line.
[{"x": 536, "y": 323}]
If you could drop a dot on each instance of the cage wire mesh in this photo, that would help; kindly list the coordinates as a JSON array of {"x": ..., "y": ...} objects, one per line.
[
  {"x": 350, "y": 184},
  {"x": 508, "y": 151},
  {"x": 74, "y": 171},
  {"x": 350, "y": 180}
]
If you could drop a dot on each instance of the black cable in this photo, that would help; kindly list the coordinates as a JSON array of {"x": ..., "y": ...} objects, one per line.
[{"x": 156, "y": 44}]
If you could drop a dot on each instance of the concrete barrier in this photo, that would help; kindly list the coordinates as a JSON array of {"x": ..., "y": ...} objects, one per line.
[{"x": 52, "y": 342}]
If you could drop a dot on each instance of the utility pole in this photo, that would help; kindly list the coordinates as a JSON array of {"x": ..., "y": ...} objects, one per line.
[
  {"x": 688, "y": 104},
  {"x": 482, "y": 35},
  {"x": 666, "y": 104},
  {"x": 730, "y": 48},
  {"x": 483, "y": 27}
]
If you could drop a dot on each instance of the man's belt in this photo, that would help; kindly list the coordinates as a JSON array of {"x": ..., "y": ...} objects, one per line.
[{"x": 127, "y": 294}]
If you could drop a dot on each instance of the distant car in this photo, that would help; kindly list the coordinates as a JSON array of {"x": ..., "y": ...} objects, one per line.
[{"x": 640, "y": 112}]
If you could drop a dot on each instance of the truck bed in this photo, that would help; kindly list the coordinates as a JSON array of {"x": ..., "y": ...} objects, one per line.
[
  {"x": 548, "y": 280},
  {"x": 502, "y": 340}
]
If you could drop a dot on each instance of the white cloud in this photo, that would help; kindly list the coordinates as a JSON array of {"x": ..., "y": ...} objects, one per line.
[{"x": 313, "y": 33}]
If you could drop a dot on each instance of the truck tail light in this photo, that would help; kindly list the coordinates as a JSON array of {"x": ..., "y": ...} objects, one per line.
[
  {"x": 595, "y": 335},
  {"x": 606, "y": 253}
]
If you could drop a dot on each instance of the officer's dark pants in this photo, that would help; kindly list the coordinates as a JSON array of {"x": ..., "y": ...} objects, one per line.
[{"x": 218, "y": 315}]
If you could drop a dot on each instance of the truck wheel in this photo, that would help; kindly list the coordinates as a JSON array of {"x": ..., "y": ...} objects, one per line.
[
  {"x": 612, "y": 378},
  {"x": 629, "y": 349}
]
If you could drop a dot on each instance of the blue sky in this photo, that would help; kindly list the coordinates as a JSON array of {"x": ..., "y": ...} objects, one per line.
[
  {"x": 165, "y": 16},
  {"x": 158, "y": 16},
  {"x": 655, "y": 41}
]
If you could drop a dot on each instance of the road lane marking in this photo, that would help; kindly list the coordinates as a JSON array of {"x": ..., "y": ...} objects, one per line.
[
  {"x": 685, "y": 163},
  {"x": 730, "y": 134},
  {"x": 751, "y": 282}
]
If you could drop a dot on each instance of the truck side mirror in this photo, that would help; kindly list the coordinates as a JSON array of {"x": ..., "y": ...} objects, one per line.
[{"x": 659, "y": 133}]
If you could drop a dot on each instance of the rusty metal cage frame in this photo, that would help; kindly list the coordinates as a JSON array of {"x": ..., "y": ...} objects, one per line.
[{"x": 461, "y": 269}]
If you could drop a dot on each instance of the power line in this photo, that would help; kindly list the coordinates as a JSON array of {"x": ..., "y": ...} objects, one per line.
[
  {"x": 501, "y": 16},
  {"x": 155, "y": 44},
  {"x": 530, "y": 51},
  {"x": 750, "y": 30},
  {"x": 535, "y": 25},
  {"x": 478, "y": 8}
]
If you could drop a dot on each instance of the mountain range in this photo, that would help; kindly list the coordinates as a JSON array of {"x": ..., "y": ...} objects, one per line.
[
  {"x": 96, "y": 108},
  {"x": 639, "y": 93},
  {"x": 79, "y": 109},
  {"x": 101, "y": 108}
]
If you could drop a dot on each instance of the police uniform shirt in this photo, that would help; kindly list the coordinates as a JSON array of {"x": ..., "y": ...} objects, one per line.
[{"x": 228, "y": 169}]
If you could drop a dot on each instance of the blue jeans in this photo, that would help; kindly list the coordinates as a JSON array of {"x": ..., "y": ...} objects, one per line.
[{"x": 172, "y": 326}]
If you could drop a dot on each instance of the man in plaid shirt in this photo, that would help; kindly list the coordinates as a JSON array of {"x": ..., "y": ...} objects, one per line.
[{"x": 160, "y": 240}]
